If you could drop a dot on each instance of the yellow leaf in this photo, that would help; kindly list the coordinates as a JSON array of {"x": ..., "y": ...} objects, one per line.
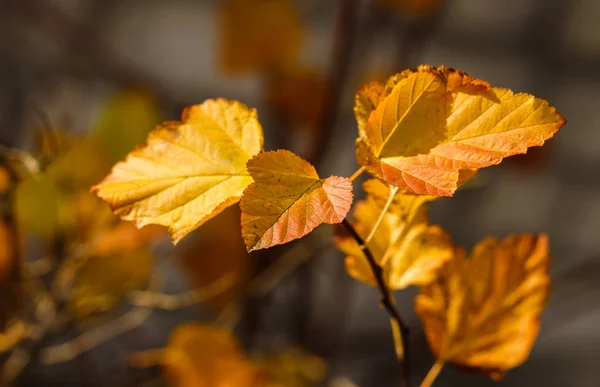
[
  {"x": 125, "y": 122},
  {"x": 288, "y": 200},
  {"x": 483, "y": 313},
  {"x": 45, "y": 204},
  {"x": 207, "y": 356},
  {"x": 408, "y": 249},
  {"x": 294, "y": 367},
  {"x": 434, "y": 122},
  {"x": 259, "y": 34},
  {"x": 188, "y": 171}
]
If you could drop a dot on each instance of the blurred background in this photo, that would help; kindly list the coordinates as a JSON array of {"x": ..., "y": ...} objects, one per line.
[{"x": 83, "y": 81}]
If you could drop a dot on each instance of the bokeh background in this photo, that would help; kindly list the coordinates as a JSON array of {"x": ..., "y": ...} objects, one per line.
[{"x": 118, "y": 67}]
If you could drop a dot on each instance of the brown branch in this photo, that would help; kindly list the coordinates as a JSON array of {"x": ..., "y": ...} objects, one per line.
[{"x": 386, "y": 300}]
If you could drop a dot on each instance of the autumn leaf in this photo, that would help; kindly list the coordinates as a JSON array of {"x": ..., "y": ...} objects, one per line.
[
  {"x": 288, "y": 200},
  {"x": 293, "y": 367},
  {"x": 204, "y": 356},
  {"x": 432, "y": 123},
  {"x": 259, "y": 34},
  {"x": 483, "y": 313},
  {"x": 188, "y": 171},
  {"x": 409, "y": 250}
]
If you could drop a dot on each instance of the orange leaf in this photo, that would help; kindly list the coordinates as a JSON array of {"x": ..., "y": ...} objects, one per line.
[
  {"x": 288, "y": 200},
  {"x": 206, "y": 356},
  {"x": 434, "y": 122},
  {"x": 483, "y": 313}
]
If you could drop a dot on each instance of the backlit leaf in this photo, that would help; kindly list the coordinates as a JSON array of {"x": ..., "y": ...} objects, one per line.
[
  {"x": 409, "y": 250},
  {"x": 434, "y": 122},
  {"x": 259, "y": 34},
  {"x": 288, "y": 200},
  {"x": 483, "y": 312},
  {"x": 188, "y": 171}
]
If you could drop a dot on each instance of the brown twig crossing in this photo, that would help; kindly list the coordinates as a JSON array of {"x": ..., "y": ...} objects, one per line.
[{"x": 386, "y": 300}]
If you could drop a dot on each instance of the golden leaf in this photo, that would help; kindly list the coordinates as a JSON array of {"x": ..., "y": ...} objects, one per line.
[
  {"x": 434, "y": 122},
  {"x": 206, "y": 356},
  {"x": 188, "y": 171},
  {"x": 483, "y": 313},
  {"x": 259, "y": 34},
  {"x": 288, "y": 200},
  {"x": 404, "y": 245}
]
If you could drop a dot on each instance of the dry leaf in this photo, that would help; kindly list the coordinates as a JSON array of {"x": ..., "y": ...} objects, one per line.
[
  {"x": 408, "y": 249},
  {"x": 288, "y": 200},
  {"x": 208, "y": 356},
  {"x": 259, "y": 34},
  {"x": 434, "y": 122},
  {"x": 483, "y": 313},
  {"x": 188, "y": 171}
]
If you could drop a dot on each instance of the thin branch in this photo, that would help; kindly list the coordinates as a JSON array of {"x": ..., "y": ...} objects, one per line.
[
  {"x": 386, "y": 300},
  {"x": 432, "y": 374},
  {"x": 156, "y": 300},
  {"x": 358, "y": 172}
]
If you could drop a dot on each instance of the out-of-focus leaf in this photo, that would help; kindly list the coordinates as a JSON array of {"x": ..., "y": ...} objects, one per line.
[
  {"x": 125, "y": 122},
  {"x": 297, "y": 95},
  {"x": 414, "y": 7},
  {"x": 288, "y": 200},
  {"x": 294, "y": 367},
  {"x": 432, "y": 123},
  {"x": 259, "y": 34},
  {"x": 188, "y": 171},
  {"x": 102, "y": 280},
  {"x": 45, "y": 204},
  {"x": 404, "y": 245},
  {"x": 214, "y": 251},
  {"x": 208, "y": 356},
  {"x": 483, "y": 313}
]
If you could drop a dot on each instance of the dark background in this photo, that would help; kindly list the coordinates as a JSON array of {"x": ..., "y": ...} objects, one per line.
[{"x": 66, "y": 57}]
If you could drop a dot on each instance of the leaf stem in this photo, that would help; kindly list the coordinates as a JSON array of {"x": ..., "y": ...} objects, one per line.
[
  {"x": 384, "y": 211},
  {"x": 433, "y": 373},
  {"x": 358, "y": 172},
  {"x": 386, "y": 300}
]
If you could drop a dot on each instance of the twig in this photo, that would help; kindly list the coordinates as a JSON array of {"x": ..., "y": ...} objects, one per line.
[
  {"x": 386, "y": 300},
  {"x": 358, "y": 172},
  {"x": 158, "y": 300},
  {"x": 432, "y": 374}
]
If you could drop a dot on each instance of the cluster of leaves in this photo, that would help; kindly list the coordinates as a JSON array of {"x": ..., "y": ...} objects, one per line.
[{"x": 421, "y": 135}]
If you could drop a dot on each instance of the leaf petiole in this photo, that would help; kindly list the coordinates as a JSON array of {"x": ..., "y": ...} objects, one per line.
[
  {"x": 432, "y": 374},
  {"x": 358, "y": 172}
]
